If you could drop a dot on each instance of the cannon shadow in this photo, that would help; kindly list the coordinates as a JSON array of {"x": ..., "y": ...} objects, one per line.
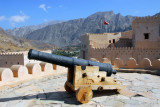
[{"x": 67, "y": 98}]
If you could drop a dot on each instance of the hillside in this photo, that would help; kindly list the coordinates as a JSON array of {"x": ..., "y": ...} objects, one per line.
[
  {"x": 69, "y": 32},
  {"x": 158, "y": 14},
  {"x": 11, "y": 43},
  {"x": 21, "y": 31}
]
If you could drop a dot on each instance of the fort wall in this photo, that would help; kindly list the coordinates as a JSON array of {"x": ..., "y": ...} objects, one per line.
[
  {"x": 124, "y": 53},
  {"x": 127, "y": 34},
  {"x": 17, "y": 74},
  {"x": 9, "y": 59},
  {"x": 146, "y": 32}
]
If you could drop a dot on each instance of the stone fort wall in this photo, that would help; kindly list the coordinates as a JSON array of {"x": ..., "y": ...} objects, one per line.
[
  {"x": 9, "y": 59},
  {"x": 124, "y": 53},
  {"x": 146, "y": 25}
]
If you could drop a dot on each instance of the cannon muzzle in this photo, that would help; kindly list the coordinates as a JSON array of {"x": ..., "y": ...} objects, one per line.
[{"x": 69, "y": 62}]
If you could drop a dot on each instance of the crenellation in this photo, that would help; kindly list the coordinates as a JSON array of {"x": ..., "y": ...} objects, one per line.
[
  {"x": 9, "y": 59},
  {"x": 146, "y": 19},
  {"x": 133, "y": 43}
]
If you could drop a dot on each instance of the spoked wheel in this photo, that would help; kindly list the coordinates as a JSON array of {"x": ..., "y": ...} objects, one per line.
[
  {"x": 67, "y": 88},
  {"x": 84, "y": 94}
]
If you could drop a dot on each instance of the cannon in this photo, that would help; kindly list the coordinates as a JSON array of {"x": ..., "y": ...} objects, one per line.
[
  {"x": 83, "y": 76},
  {"x": 69, "y": 62}
]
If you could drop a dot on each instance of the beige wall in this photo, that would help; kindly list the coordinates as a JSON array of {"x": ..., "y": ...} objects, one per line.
[
  {"x": 84, "y": 46},
  {"x": 124, "y": 53},
  {"x": 129, "y": 44},
  {"x": 127, "y": 34},
  {"x": 146, "y": 25},
  {"x": 7, "y": 60},
  {"x": 96, "y": 41}
]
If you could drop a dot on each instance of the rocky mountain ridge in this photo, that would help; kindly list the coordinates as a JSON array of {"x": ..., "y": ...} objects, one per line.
[
  {"x": 21, "y": 31},
  {"x": 12, "y": 43},
  {"x": 69, "y": 32}
]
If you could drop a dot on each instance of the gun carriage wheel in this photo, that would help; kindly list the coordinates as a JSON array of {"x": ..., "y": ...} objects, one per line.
[
  {"x": 68, "y": 88},
  {"x": 84, "y": 94}
]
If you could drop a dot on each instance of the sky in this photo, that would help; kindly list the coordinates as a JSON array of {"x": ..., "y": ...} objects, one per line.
[{"x": 17, "y": 13}]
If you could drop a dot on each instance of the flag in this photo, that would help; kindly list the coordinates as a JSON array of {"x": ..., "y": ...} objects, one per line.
[{"x": 106, "y": 23}]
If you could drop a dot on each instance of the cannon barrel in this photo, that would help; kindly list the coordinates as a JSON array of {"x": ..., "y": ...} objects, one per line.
[{"x": 68, "y": 61}]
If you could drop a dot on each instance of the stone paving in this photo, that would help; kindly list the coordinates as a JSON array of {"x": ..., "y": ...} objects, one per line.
[{"x": 49, "y": 92}]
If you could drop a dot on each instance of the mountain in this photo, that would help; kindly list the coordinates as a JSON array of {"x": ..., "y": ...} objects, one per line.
[
  {"x": 12, "y": 43},
  {"x": 21, "y": 31},
  {"x": 158, "y": 14},
  {"x": 2, "y": 32},
  {"x": 69, "y": 32}
]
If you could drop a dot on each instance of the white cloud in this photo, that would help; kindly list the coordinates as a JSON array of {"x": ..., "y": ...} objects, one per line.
[
  {"x": 44, "y": 7},
  {"x": 2, "y": 18},
  {"x": 19, "y": 18}
]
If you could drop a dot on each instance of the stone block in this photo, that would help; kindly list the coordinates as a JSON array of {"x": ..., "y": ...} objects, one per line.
[
  {"x": 33, "y": 68},
  {"x": 106, "y": 60},
  {"x": 19, "y": 71},
  {"x": 118, "y": 63},
  {"x": 54, "y": 67},
  {"x": 6, "y": 74},
  {"x": 145, "y": 64},
  {"x": 131, "y": 63},
  {"x": 156, "y": 64},
  {"x": 46, "y": 67}
]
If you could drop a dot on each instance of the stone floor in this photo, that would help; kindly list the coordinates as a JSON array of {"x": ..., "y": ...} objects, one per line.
[{"x": 49, "y": 92}]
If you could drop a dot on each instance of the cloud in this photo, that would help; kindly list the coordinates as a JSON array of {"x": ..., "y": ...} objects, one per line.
[
  {"x": 44, "y": 7},
  {"x": 2, "y": 18},
  {"x": 19, "y": 18}
]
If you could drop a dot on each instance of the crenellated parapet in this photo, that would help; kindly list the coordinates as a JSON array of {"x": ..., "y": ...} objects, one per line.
[
  {"x": 9, "y": 59},
  {"x": 146, "y": 19},
  {"x": 124, "y": 53},
  {"x": 11, "y": 54},
  {"x": 17, "y": 74},
  {"x": 131, "y": 63}
]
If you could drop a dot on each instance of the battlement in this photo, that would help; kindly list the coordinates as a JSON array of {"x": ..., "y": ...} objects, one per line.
[
  {"x": 126, "y": 48},
  {"x": 9, "y": 59},
  {"x": 13, "y": 54},
  {"x": 90, "y": 34},
  {"x": 18, "y": 74},
  {"x": 146, "y": 19},
  {"x": 131, "y": 63}
]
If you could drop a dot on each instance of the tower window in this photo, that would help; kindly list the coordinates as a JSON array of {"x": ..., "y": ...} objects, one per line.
[
  {"x": 146, "y": 35},
  {"x": 109, "y": 41},
  {"x": 113, "y": 40}
]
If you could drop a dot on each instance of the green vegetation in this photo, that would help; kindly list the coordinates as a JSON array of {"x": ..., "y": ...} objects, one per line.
[
  {"x": 72, "y": 51},
  {"x": 66, "y": 53}
]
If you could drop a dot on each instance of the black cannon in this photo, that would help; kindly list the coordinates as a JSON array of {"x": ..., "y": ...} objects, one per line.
[
  {"x": 83, "y": 76},
  {"x": 69, "y": 62}
]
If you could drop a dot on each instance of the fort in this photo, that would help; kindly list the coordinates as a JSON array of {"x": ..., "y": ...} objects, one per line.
[
  {"x": 141, "y": 45},
  {"x": 9, "y": 59},
  {"x": 137, "y": 49}
]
